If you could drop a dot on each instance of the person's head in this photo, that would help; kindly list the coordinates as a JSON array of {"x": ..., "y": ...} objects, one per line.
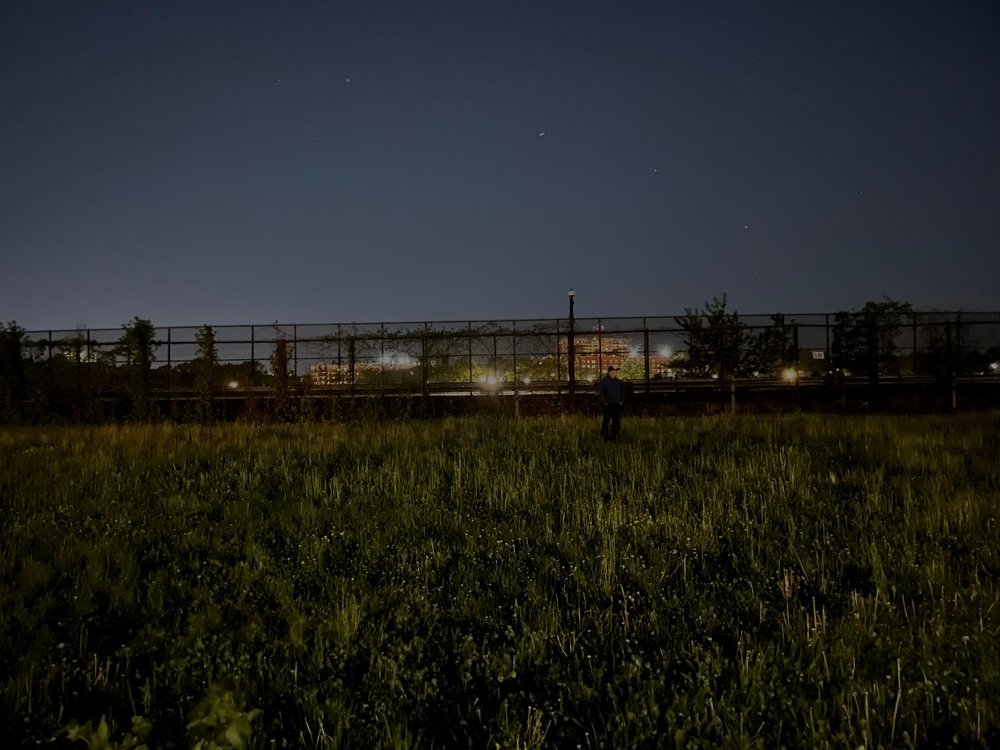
[{"x": 613, "y": 371}]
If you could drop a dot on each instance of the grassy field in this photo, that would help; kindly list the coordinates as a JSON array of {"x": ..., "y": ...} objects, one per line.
[{"x": 708, "y": 582}]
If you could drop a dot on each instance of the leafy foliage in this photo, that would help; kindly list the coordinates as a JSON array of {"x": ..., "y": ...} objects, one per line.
[
  {"x": 12, "y": 385},
  {"x": 136, "y": 348},
  {"x": 718, "y": 343},
  {"x": 217, "y": 723},
  {"x": 281, "y": 379},
  {"x": 99, "y": 737},
  {"x": 715, "y": 339},
  {"x": 206, "y": 366},
  {"x": 865, "y": 341},
  {"x": 771, "y": 349}
]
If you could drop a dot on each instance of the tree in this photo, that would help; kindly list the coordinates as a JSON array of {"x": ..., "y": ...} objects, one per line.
[
  {"x": 865, "y": 341},
  {"x": 205, "y": 366},
  {"x": 136, "y": 345},
  {"x": 715, "y": 339},
  {"x": 770, "y": 350},
  {"x": 279, "y": 367},
  {"x": 12, "y": 382},
  {"x": 632, "y": 368}
]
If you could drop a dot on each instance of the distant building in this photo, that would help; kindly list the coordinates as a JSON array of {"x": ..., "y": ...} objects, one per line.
[
  {"x": 325, "y": 374},
  {"x": 595, "y": 353}
]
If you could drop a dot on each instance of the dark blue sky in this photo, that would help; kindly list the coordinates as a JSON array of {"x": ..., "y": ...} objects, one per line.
[{"x": 220, "y": 162}]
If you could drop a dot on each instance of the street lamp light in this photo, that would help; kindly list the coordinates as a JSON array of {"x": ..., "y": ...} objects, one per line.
[{"x": 572, "y": 344}]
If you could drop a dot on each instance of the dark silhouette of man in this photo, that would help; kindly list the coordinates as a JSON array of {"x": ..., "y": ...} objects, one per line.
[{"x": 611, "y": 391}]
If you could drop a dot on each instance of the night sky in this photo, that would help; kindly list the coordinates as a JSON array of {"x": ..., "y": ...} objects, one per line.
[{"x": 244, "y": 162}]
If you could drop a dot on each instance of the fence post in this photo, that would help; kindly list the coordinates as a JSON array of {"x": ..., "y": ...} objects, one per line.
[
  {"x": 913, "y": 355},
  {"x": 645, "y": 347},
  {"x": 796, "y": 354},
  {"x": 169, "y": 357},
  {"x": 826, "y": 351},
  {"x": 949, "y": 376},
  {"x": 513, "y": 343},
  {"x": 470, "y": 352},
  {"x": 872, "y": 358},
  {"x": 424, "y": 365},
  {"x": 958, "y": 343},
  {"x": 48, "y": 363},
  {"x": 558, "y": 354},
  {"x": 253, "y": 356},
  {"x": 600, "y": 348},
  {"x": 350, "y": 363},
  {"x": 571, "y": 352},
  {"x": 79, "y": 363},
  {"x": 381, "y": 355},
  {"x": 340, "y": 359},
  {"x": 295, "y": 349}
]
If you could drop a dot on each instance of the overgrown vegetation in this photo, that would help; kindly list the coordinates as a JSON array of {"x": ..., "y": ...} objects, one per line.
[{"x": 717, "y": 582}]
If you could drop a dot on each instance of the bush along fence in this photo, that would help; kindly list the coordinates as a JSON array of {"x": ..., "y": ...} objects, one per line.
[{"x": 138, "y": 367}]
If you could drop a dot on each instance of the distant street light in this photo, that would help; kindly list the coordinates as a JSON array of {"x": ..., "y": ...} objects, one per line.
[{"x": 572, "y": 344}]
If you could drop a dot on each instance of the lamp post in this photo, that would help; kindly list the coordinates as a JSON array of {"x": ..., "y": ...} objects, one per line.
[{"x": 572, "y": 345}]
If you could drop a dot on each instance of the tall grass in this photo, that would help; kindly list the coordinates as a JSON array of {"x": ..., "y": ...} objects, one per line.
[{"x": 740, "y": 581}]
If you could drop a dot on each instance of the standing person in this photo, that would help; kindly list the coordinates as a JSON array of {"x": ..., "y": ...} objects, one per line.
[{"x": 611, "y": 391}]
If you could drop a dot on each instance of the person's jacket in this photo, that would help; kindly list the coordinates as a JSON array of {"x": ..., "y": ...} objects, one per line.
[{"x": 611, "y": 390}]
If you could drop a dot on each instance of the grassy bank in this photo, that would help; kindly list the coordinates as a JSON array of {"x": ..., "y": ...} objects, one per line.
[{"x": 753, "y": 582}]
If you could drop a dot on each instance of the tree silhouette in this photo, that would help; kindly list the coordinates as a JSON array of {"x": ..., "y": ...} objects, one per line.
[
  {"x": 715, "y": 339},
  {"x": 136, "y": 346},
  {"x": 770, "y": 349},
  {"x": 205, "y": 367},
  {"x": 12, "y": 381},
  {"x": 281, "y": 382},
  {"x": 865, "y": 341}
]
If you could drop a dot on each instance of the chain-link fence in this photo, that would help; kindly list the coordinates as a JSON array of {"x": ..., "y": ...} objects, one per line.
[{"x": 650, "y": 352}]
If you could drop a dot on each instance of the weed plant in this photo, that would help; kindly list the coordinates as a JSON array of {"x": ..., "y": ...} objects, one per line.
[{"x": 755, "y": 582}]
